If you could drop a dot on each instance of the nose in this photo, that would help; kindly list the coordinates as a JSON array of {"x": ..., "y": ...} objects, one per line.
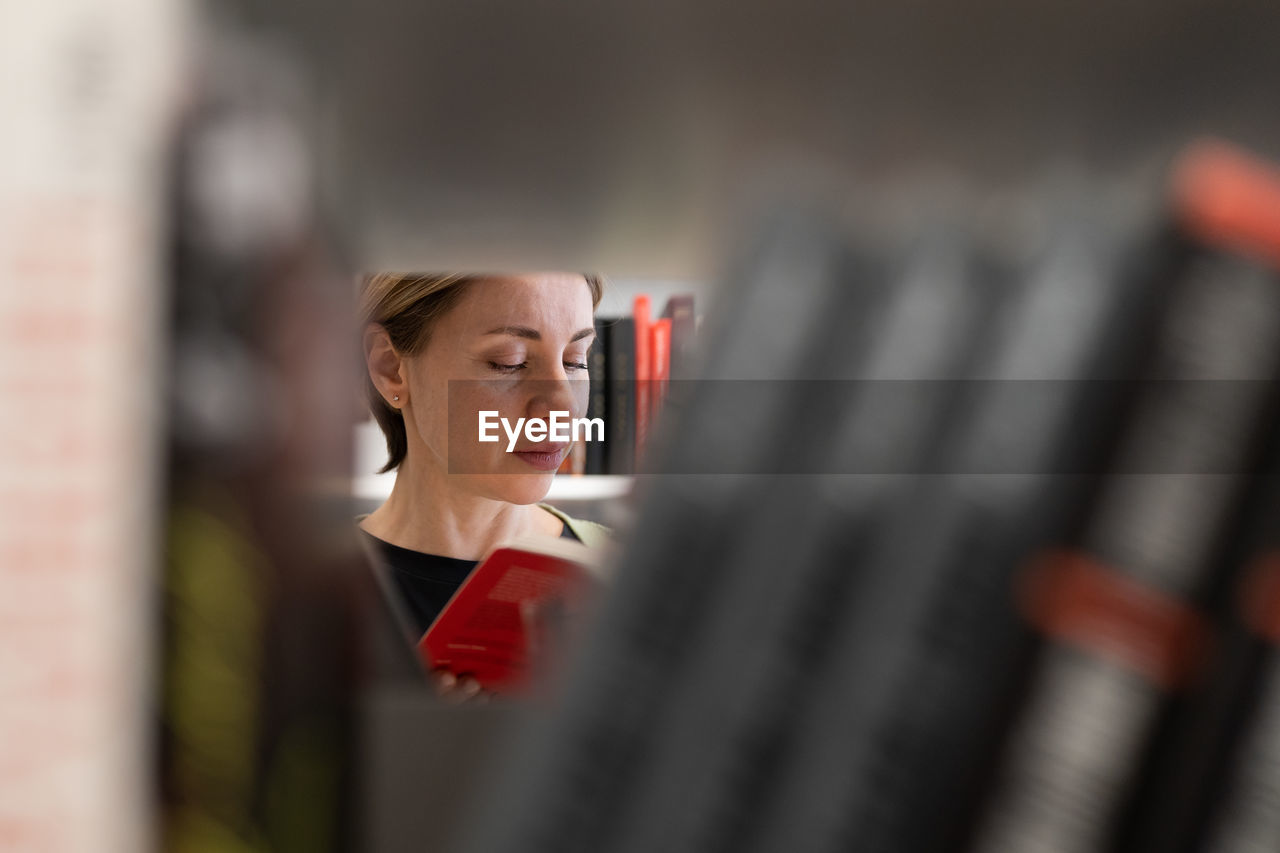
[{"x": 559, "y": 395}]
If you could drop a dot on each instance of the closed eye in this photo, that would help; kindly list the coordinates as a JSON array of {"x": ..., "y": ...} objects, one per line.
[{"x": 513, "y": 368}]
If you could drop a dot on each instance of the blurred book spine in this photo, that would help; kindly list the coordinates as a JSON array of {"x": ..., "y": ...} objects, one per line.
[
  {"x": 641, "y": 316},
  {"x": 1122, "y": 606},
  {"x": 660, "y": 351},
  {"x": 680, "y": 311},
  {"x": 263, "y": 582},
  {"x": 598, "y": 403},
  {"x": 620, "y": 428}
]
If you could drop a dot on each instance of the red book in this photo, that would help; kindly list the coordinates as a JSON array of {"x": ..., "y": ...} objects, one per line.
[
  {"x": 644, "y": 366},
  {"x": 509, "y": 609},
  {"x": 660, "y": 365}
]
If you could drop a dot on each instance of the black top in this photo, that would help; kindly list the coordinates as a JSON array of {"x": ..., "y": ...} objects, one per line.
[{"x": 426, "y": 582}]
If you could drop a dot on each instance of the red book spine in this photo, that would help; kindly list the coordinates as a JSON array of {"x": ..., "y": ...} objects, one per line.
[
  {"x": 660, "y": 353},
  {"x": 644, "y": 367},
  {"x": 1229, "y": 198}
]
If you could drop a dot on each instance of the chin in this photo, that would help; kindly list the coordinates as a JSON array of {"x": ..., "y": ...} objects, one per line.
[{"x": 520, "y": 488}]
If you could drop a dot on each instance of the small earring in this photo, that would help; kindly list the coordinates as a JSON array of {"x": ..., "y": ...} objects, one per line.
[{"x": 396, "y": 397}]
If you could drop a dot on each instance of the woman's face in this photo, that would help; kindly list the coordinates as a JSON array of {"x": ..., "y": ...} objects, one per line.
[{"x": 516, "y": 345}]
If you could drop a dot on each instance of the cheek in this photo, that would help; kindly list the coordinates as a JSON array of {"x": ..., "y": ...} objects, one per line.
[
  {"x": 433, "y": 415},
  {"x": 467, "y": 399}
]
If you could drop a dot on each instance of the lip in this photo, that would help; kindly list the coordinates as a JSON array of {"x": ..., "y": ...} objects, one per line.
[{"x": 546, "y": 458}]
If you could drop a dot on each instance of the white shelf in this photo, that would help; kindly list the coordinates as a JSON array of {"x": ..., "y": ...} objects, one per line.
[
  {"x": 595, "y": 487},
  {"x": 376, "y": 487}
]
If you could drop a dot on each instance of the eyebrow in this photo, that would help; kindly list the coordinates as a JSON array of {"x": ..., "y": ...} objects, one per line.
[{"x": 534, "y": 335}]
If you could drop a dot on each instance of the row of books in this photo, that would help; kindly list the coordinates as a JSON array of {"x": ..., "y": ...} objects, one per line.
[
  {"x": 1075, "y": 654},
  {"x": 631, "y": 364}
]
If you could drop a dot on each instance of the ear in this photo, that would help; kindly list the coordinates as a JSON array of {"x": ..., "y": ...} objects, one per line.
[{"x": 386, "y": 367}]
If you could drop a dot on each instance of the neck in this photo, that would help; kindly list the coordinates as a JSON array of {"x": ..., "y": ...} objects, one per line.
[{"x": 426, "y": 512}]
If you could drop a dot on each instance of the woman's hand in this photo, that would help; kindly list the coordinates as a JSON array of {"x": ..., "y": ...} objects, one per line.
[{"x": 457, "y": 690}]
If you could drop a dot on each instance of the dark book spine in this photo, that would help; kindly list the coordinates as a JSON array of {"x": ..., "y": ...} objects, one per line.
[
  {"x": 898, "y": 718},
  {"x": 1119, "y": 606},
  {"x": 1212, "y": 773},
  {"x": 679, "y": 310},
  {"x": 1245, "y": 796},
  {"x": 598, "y": 399},
  {"x": 1211, "y": 746},
  {"x": 261, "y": 597},
  {"x": 577, "y": 774},
  {"x": 877, "y": 400},
  {"x": 620, "y": 428}
]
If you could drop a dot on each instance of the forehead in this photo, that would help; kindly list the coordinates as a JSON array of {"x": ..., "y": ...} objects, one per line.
[{"x": 529, "y": 299}]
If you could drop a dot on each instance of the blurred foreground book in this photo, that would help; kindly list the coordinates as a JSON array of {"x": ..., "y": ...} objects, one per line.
[
  {"x": 996, "y": 619},
  {"x": 263, "y": 583}
]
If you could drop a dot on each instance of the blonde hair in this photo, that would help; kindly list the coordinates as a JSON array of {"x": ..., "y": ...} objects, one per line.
[{"x": 407, "y": 305}]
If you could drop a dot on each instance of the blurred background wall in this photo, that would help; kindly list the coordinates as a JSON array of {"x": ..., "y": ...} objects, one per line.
[{"x": 628, "y": 136}]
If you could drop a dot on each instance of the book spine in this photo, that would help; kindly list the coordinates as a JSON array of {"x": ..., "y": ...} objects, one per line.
[
  {"x": 1248, "y": 813},
  {"x": 1212, "y": 744},
  {"x": 598, "y": 399},
  {"x": 899, "y": 717},
  {"x": 925, "y": 328},
  {"x": 788, "y": 282},
  {"x": 261, "y": 597},
  {"x": 620, "y": 436},
  {"x": 680, "y": 311},
  {"x": 660, "y": 349},
  {"x": 1118, "y": 607},
  {"x": 643, "y": 372}
]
